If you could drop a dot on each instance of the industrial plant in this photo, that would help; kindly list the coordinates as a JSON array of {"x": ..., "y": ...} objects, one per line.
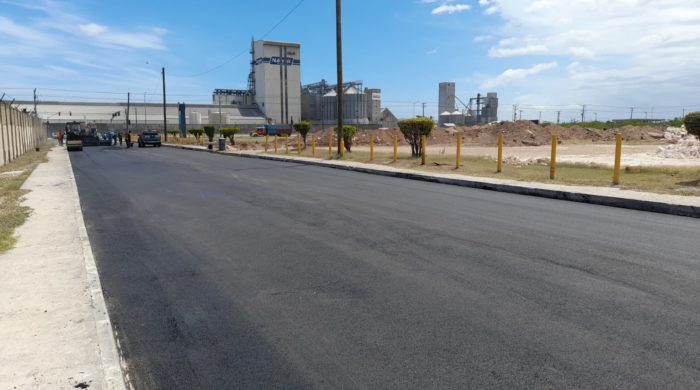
[
  {"x": 479, "y": 110},
  {"x": 361, "y": 106}
]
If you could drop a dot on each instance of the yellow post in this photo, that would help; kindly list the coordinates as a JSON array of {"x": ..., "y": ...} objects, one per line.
[
  {"x": 313, "y": 145},
  {"x": 500, "y": 153},
  {"x": 422, "y": 150},
  {"x": 275, "y": 143},
  {"x": 459, "y": 150},
  {"x": 618, "y": 157},
  {"x": 342, "y": 148},
  {"x": 298, "y": 145},
  {"x": 330, "y": 144},
  {"x": 266, "y": 136},
  {"x": 286, "y": 144},
  {"x": 553, "y": 159},
  {"x": 371, "y": 147}
]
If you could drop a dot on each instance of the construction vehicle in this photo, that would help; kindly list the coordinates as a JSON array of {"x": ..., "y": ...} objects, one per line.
[{"x": 271, "y": 130}]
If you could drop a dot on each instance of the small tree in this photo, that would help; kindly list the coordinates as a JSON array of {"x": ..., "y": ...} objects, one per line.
[
  {"x": 229, "y": 133},
  {"x": 303, "y": 128},
  {"x": 413, "y": 129},
  {"x": 348, "y": 133},
  {"x": 196, "y": 133},
  {"x": 692, "y": 123},
  {"x": 209, "y": 131},
  {"x": 174, "y": 132}
]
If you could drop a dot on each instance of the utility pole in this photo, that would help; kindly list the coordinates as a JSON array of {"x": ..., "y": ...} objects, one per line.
[
  {"x": 631, "y": 113},
  {"x": 515, "y": 112},
  {"x": 558, "y": 116},
  {"x": 540, "y": 118},
  {"x": 339, "y": 59},
  {"x": 165, "y": 117},
  {"x": 521, "y": 115},
  {"x": 583, "y": 113},
  {"x": 220, "y": 114},
  {"x": 423, "y": 109},
  {"x": 683, "y": 116},
  {"x": 128, "y": 106},
  {"x": 34, "y": 101}
]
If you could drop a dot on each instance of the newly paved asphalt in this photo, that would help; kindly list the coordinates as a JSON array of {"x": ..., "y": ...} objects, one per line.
[{"x": 225, "y": 272}]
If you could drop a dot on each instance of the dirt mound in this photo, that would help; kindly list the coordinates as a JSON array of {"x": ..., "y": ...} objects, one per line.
[{"x": 520, "y": 133}]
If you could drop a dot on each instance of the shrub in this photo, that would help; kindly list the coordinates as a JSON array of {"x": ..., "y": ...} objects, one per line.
[
  {"x": 692, "y": 123},
  {"x": 229, "y": 133},
  {"x": 196, "y": 133},
  {"x": 174, "y": 132},
  {"x": 302, "y": 128},
  {"x": 209, "y": 131},
  {"x": 413, "y": 129},
  {"x": 348, "y": 133}
]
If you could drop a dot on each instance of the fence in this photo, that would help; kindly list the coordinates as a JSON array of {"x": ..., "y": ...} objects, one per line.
[{"x": 19, "y": 133}]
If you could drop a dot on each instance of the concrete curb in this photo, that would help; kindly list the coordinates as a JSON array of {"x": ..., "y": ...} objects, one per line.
[
  {"x": 113, "y": 376},
  {"x": 602, "y": 200}
]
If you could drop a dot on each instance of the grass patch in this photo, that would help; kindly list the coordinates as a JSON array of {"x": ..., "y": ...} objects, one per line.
[
  {"x": 662, "y": 180},
  {"x": 12, "y": 213}
]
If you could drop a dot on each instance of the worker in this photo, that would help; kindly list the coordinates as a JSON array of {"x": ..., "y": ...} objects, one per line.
[
  {"x": 120, "y": 135},
  {"x": 128, "y": 139},
  {"x": 59, "y": 136}
]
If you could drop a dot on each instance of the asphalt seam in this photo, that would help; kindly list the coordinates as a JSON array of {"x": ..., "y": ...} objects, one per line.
[
  {"x": 601, "y": 200},
  {"x": 113, "y": 375}
]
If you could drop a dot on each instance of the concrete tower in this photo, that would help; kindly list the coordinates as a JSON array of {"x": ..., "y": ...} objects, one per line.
[
  {"x": 277, "y": 72},
  {"x": 447, "y": 98}
]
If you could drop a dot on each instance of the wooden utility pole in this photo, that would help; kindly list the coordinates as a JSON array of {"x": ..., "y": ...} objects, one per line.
[
  {"x": 165, "y": 117},
  {"x": 339, "y": 52}
]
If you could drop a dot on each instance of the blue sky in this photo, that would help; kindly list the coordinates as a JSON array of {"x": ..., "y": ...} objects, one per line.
[{"x": 544, "y": 55}]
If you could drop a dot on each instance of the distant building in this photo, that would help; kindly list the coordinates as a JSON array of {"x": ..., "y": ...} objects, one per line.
[
  {"x": 361, "y": 106},
  {"x": 446, "y": 97},
  {"x": 479, "y": 110}
]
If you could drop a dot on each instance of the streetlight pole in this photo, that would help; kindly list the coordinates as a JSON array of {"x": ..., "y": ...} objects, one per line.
[{"x": 339, "y": 59}]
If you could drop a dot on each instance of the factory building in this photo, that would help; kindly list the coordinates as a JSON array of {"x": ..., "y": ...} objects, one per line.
[
  {"x": 479, "y": 110},
  {"x": 361, "y": 106}
]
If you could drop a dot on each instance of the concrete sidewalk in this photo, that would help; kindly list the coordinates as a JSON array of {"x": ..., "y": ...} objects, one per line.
[
  {"x": 688, "y": 206},
  {"x": 54, "y": 325}
]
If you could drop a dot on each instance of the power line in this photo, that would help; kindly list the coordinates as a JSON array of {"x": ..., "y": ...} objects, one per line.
[{"x": 246, "y": 50}]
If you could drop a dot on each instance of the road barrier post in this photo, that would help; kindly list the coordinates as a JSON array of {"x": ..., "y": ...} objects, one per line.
[
  {"x": 275, "y": 143},
  {"x": 266, "y": 143},
  {"x": 342, "y": 148},
  {"x": 330, "y": 144},
  {"x": 422, "y": 149},
  {"x": 298, "y": 145},
  {"x": 396, "y": 147},
  {"x": 618, "y": 158},
  {"x": 500, "y": 153},
  {"x": 313, "y": 145},
  {"x": 371, "y": 147},
  {"x": 553, "y": 159},
  {"x": 286, "y": 144},
  {"x": 459, "y": 150}
]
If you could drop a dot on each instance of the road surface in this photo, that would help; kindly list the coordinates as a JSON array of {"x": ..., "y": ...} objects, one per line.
[{"x": 226, "y": 272}]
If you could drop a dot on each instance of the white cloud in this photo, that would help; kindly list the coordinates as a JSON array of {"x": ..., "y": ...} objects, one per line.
[
  {"x": 624, "y": 52},
  {"x": 450, "y": 9},
  {"x": 511, "y": 75},
  {"x": 93, "y": 29},
  {"x": 433, "y": 51},
  {"x": 482, "y": 38}
]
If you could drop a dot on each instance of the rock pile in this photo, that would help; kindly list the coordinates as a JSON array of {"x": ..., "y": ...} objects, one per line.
[{"x": 683, "y": 145}]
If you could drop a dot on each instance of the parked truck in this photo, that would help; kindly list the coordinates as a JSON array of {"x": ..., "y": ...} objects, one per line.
[{"x": 271, "y": 130}]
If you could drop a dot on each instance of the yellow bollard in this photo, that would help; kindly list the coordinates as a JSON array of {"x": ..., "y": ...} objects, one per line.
[
  {"x": 371, "y": 148},
  {"x": 313, "y": 145},
  {"x": 396, "y": 147},
  {"x": 459, "y": 150},
  {"x": 266, "y": 136},
  {"x": 298, "y": 145},
  {"x": 286, "y": 144},
  {"x": 275, "y": 143},
  {"x": 330, "y": 144},
  {"x": 422, "y": 149},
  {"x": 500, "y": 153},
  {"x": 618, "y": 158},
  {"x": 553, "y": 159},
  {"x": 342, "y": 147}
]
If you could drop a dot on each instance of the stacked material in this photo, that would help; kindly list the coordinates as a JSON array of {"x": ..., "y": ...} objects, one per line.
[
  {"x": 684, "y": 145},
  {"x": 675, "y": 134}
]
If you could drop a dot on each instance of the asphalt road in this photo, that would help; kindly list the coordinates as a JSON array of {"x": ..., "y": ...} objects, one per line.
[{"x": 224, "y": 272}]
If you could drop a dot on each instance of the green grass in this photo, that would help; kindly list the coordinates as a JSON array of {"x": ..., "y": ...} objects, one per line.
[
  {"x": 676, "y": 180},
  {"x": 613, "y": 125},
  {"x": 12, "y": 213}
]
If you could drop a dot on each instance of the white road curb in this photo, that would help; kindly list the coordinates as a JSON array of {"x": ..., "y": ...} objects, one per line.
[{"x": 113, "y": 375}]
